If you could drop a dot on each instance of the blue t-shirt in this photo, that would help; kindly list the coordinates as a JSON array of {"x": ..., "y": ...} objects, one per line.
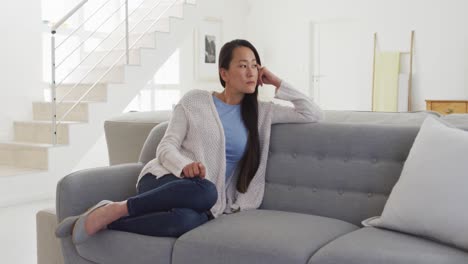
[{"x": 235, "y": 134}]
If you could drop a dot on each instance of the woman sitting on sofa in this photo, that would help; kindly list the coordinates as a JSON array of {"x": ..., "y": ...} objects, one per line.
[{"x": 212, "y": 158}]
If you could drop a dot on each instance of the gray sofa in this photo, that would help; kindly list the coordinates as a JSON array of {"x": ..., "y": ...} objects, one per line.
[{"x": 323, "y": 179}]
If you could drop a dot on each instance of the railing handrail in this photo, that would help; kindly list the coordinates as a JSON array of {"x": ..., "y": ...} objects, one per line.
[
  {"x": 90, "y": 35},
  {"x": 68, "y": 15},
  {"x": 55, "y": 123},
  {"x": 115, "y": 62},
  {"x": 82, "y": 24},
  {"x": 102, "y": 41}
]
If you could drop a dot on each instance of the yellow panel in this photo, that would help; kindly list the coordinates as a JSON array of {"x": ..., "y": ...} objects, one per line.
[{"x": 387, "y": 67}]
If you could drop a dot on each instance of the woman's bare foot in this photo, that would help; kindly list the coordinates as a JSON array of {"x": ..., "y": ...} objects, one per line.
[{"x": 101, "y": 217}]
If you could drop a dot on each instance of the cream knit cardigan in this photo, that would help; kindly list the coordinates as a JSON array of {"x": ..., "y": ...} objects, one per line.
[{"x": 195, "y": 133}]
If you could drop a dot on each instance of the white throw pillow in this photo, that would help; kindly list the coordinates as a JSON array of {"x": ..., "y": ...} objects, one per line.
[{"x": 430, "y": 198}]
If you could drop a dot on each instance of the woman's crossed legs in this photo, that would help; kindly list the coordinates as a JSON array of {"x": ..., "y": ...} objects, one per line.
[{"x": 168, "y": 206}]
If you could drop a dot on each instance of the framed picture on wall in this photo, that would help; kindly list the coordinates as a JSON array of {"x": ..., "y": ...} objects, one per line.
[{"x": 207, "y": 43}]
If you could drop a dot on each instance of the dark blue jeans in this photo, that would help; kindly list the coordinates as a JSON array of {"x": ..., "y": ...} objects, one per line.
[{"x": 168, "y": 206}]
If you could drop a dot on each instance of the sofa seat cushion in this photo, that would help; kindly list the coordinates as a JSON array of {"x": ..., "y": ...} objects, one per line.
[
  {"x": 258, "y": 236},
  {"x": 117, "y": 247},
  {"x": 372, "y": 245}
]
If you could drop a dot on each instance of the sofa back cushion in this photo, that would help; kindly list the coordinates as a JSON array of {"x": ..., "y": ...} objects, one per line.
[
  {"x": 148, "y": 152},
  {"x": 343, "y": 171},
  {"x": 126, "y": 134}
]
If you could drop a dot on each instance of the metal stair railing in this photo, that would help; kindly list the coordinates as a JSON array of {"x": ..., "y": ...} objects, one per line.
[{"x": 54, "y": 47}]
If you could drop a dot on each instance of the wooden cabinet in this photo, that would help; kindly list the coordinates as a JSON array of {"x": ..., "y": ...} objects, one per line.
[{"x": 446, "y": 107}]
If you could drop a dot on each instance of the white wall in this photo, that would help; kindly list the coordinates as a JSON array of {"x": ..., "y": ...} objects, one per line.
[
  {"x": 281, "y": 29},
  {"x": 97, "y": 156},
  {"x": 20, "y": 64}
]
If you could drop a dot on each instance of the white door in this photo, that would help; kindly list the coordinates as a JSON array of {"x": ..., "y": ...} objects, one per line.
[{"x": 341, "y": 65}]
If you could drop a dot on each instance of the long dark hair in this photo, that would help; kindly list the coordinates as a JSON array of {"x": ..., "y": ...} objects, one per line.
[{"x": 249, "y": 109}]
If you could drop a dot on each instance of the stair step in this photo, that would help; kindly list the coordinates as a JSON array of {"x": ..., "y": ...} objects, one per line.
[
  {"x": 43, "y": 111},
  {"x": 162, "y": 25},
  {"x": 176, "y": 11},
  {"x": 97, "y": 94},
  {"x": 149, "y": 4},
  {"x": 41, "y": 131},
  {"x": 111, "y": 58},
  {"x": 115, "y": 75},
  {"x": 22, "y": 156},
  {"x": 146, "y": 41}
]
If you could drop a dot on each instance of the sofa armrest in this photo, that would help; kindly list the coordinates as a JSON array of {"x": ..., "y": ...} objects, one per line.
[
  {"x": 80, "y": 190},
  {"x": 48, "y": 246}
]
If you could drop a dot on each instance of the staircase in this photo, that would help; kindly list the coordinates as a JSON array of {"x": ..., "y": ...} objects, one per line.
[{"x": 31, "y": 163}]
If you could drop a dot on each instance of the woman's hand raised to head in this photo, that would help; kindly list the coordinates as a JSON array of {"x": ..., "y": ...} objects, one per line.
[
  {"x": 194, "y": 169},
  {"x": 265, "y": 76}
]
